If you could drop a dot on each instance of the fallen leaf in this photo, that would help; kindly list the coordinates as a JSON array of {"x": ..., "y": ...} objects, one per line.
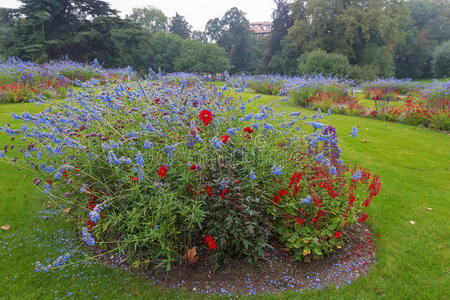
[
  {"x": 306, "y": 251},
  {"x": 191, "y": 255},
  {"x": 412, "y": 222},
  {"x": 5, "y": 227},
  {"x": 428, "y": 208},
  {"x": 364, "y": 141},
  {"x": 67, "y": 210},
  {"x": 367, "y": 128}
]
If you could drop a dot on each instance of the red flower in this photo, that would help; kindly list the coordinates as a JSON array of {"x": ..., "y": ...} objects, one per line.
[
  {"x": 162, "y": 171},
  {"x": 276, "y": 199},
  {"x": 225, "y": 138},
  {"x": 338, "y": 234},
  {"x": 133, "y": 178},
  {"x": 208, "y": 190},
  {"x": 224, "y": 192},
  {"x": 210, "y": 242},
  {"x": 156, "y": 100},
  {"x": 248, "y": 130},
  {"x": 192, "y": 167},
  {"x": 283, "y": 193},
  {"x": 299, "y": 221},
  {"x": 205, "y": 116},
  {"x": 363, "y": 218}
]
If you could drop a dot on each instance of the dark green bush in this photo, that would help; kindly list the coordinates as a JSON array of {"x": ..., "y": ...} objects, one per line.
[
  {"x": 378, "y": 60},
  {"x": 321, "y": 62},
  {"x": 441, "y": 60}
]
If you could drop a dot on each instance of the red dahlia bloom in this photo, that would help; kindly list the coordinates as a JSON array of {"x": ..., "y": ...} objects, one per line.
[
  {"x": 208, "y": 191},
  {"x": 224, "y": 192},
  {"x": 338, "y": 234},
  {"x": 210, "y": 242},
  {"x": 162, "y": 171},
  {"x": 225, "y": 138},
  {"x": 299, "y": 221},
  {"x": 205, "y": 116},
  {"x": 276, "y": 199},
  {"x": 248, "y": 130},
  {"x": 283, "y": 193}
]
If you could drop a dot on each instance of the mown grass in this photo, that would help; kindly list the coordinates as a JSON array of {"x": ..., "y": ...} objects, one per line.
[{"x": 413, "y": 260}]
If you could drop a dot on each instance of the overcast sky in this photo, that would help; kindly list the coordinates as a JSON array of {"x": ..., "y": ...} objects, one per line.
[{"x": 197, "y": 12}]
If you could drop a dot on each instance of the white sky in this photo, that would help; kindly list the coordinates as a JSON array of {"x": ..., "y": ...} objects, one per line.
[{"x": 197, "y": 12}]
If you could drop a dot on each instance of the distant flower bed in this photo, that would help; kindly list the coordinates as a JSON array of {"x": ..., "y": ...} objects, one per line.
[
  {"x": 399, "y": 86},
  {"x": 161, "y": 170},
  {"x": 21, "y": 81},
  {"x": 426, "y": 105}
]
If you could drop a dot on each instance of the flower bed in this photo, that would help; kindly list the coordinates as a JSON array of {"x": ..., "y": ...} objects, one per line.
[
  {"x": 21, "y": 81},
  {"x": 160, "y": 170}
]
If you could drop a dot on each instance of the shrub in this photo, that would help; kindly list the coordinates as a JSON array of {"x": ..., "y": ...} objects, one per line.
[
  {"x": 441, "y": 60},
  {"x": 321, "y": 62},
  {"x": 379, "y": 60},
  {"x": 154, "y": 168},
  {"x": 362, "y": 73}
]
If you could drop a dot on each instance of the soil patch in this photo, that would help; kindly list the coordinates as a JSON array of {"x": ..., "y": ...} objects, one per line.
[{"x": 278, "y": 272}]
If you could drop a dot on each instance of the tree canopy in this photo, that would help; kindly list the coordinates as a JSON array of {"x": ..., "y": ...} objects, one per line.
[
  {"x": 377, "y": 37},
  {"x": 150, "y": 18}
]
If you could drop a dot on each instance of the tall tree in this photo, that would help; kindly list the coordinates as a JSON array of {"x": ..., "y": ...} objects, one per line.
[
  {"x": 149, "y": 17},
  {"x": 349, "y": 26},
  {"x": 179, "y": 26},
  {"x": 430, "y": 26},
  {"x": 213, "y": 29},
  {"x": 282, "y": 20},
  {"x": 199, "y": 57},
  {"x": 46, "y": 28},
  {"x": 233, "y": 34},
  {"x": 198, "y": 35},
  {"x": 7, "y": 17}
]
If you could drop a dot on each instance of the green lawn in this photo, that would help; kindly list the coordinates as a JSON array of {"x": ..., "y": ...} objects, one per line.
[{"x": 413, "y": 260}]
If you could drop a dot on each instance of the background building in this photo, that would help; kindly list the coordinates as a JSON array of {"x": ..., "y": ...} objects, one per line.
[{"x": 261, "y": 29}]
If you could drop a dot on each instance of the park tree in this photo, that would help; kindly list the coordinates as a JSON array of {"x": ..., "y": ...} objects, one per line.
[
  {"x": 429, "y": 26},
  {"x": 233, "y": 34},
  {"x": 199, "y": 35},
  {"x": 179, "y": 26},
  {"x": 198, "y": 57},
  {"x": 441, "y": 60},
  {"x": 150, "y": 18},
  {"x": 165, "y": 50},
  {"x": 282, "y": 20},
  {"x": 213, "y": 29},
  {"x": 321, "y": 62},
  {"x": 346, "y": 27},
  {"x": 7, "y": 17},
  {"x": 51, "y": 28}
]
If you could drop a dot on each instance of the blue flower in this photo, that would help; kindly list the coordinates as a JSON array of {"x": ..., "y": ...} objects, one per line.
[
  {"x": 268, "y": 126},
  {"x": 357, "y": 175},
  {"x": 354, "y": 131},
  {"x": 333, "y": 170},
  {"x": 252, "y": 175},
  {"x": 148, "y": 145},
  {"x": 277, "y": 170},
  {"x": 216, "y": 143},
  {"x": 306, "y": 200},
  {"x": 87, "y": 237}
]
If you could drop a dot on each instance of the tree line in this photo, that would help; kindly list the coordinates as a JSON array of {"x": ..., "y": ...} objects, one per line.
[{"x": 361, "y": 39}]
